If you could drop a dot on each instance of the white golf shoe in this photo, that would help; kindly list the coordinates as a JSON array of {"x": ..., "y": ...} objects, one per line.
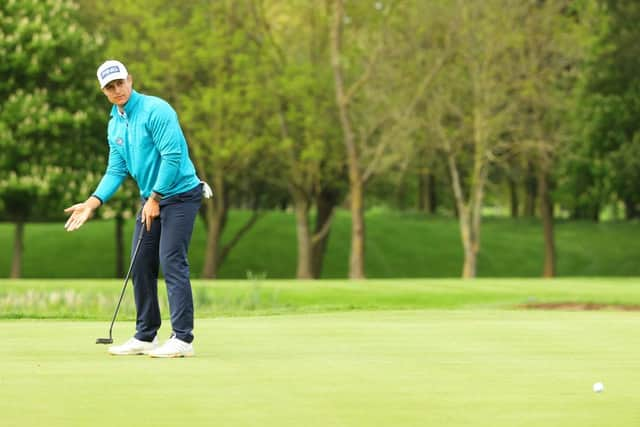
[
  {"x": 133, "y": 346},
  {"x": 173, "y": 348}
]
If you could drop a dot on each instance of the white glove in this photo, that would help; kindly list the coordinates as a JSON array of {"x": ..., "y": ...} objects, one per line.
[{"x": 206, "y": 190}]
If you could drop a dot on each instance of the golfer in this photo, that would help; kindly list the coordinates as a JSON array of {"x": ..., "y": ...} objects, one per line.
[{"x": 146, "y": 142}]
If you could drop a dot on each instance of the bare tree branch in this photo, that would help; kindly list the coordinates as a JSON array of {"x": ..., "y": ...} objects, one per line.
[
  {"x": 236, "y": 238},
  {"x": 324, "y": 230}
]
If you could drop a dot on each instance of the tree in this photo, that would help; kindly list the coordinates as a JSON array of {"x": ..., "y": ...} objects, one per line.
[
  {"x": 606, "y": 169},
  {"x": 305, "y": 142},
  {"x": 47, "y": 111},
  {"x": 549, "y": 55},
  {"x": 471, "y": 110},
  {"x": 427, "y": 35},
  {"x": 375, "y": 100},
  {"x": 226, "y": 114}
]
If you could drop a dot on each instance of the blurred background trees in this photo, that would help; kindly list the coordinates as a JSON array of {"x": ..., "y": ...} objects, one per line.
[{"x": 509, "y": 107}]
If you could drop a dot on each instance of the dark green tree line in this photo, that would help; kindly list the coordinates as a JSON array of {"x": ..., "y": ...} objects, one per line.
[{"x": 605, "y": 168}]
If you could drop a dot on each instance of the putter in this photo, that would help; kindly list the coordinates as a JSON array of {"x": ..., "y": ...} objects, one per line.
[{"x": 126, "y": 279}]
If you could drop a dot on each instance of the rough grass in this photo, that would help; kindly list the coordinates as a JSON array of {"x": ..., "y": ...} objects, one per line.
[{"x": 96, "y": 299}]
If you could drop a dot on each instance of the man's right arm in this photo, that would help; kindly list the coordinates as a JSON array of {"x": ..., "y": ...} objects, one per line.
[{"x": 114, "y": 176}]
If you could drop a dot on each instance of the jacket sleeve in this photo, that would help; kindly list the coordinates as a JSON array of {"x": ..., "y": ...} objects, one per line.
[
  {"x": 113, "y": 177},
  {"x": 170, "y": 142}
]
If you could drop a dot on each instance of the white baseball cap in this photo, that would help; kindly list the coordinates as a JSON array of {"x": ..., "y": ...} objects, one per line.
[{"x": 111, "y": 70}]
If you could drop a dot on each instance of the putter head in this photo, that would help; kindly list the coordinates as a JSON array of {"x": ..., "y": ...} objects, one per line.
[{"x": 104, "y": 341}]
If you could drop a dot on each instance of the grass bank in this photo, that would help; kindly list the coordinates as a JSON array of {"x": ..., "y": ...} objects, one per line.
[{"x": 398, "y": 245}]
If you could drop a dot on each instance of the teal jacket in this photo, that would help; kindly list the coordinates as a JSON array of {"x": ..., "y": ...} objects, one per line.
[{"x": 147, "y": 143}]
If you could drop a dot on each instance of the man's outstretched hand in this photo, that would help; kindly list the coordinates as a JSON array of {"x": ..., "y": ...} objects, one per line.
[{"x": 80, "y": 213}]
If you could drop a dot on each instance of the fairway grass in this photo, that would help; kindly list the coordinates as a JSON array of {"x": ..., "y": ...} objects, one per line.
[{"x": 367, "y": 368}]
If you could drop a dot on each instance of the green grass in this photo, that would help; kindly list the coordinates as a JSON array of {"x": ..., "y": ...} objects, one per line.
[
  {"x": 398, "y": 245},
  {"x": 95, "y": 299},
  {"x": 481, "y": 368},
  {"x": 438, "y": 352}
]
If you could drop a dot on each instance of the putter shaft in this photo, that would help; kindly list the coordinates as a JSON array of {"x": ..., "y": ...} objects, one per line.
[{"x": 124, "y": 287}]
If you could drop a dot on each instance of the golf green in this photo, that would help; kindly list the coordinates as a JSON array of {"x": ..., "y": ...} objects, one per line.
[{"x": 395, "y": 368}]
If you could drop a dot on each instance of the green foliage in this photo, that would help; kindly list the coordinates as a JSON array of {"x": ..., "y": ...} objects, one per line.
[
  {"x": 47, "y": 109},
  {"x": 306, "y": 149},
  {"x": 604, "y": 168},
  {"x": 33, "y": 193},
  {"x": 224, "y": 106}
]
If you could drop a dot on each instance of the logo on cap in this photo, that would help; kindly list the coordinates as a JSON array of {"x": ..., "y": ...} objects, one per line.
[{"x": 108, "y": 71}]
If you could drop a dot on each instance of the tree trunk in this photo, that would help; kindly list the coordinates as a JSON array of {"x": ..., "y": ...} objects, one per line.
[
  {"x": 469, "y": 269},
  {"x": 531, "y": 192},
  {"x": 356, "y": 183},
  {"x": 18, "y": 249},
  {"x": 513, "y": 197},
  {"x": 473, "y": 213},
  {"x": 630, "y": 209},
  {"x": 427, "y": 198},
  {"x": 468, "y": 220},
  {"x": 212, "y": 247},
  {"x": 546, "y": 211},
  {"x": 470, "y": 211},
  {"x": 356, "y": 261},
  {"x": 432, "y": 206},
  {"x": 470, "y": 248},
  {"x": 326, "y": 202},
  {"x": 119, "y": 231},
  {"x": 301, "y": 207},
  {"x": 472, "y": 218},
  {"x": 215, "y": 213}
]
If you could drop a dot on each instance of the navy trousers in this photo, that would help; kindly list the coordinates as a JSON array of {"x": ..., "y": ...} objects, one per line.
[{"x": 166, "y": 246}]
